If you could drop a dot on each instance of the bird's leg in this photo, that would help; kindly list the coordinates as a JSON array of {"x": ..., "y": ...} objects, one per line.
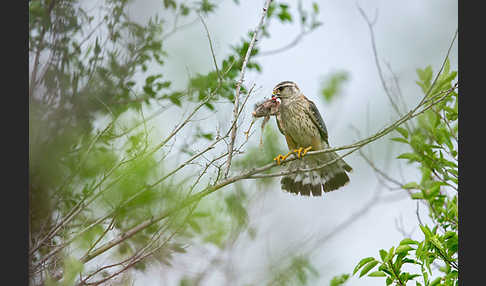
[
  {"x": 281, "y": 157},
  {"x": 301, "y": 151}
]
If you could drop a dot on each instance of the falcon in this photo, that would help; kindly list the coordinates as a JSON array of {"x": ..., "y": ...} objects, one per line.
[{"x": 301, "y": 123}]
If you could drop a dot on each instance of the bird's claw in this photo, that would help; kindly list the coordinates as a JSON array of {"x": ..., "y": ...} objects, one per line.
[
  {"x": 281, "y": 158},
  {"x": 306, "y": 150},
  {"x": 301, "y": 151}
]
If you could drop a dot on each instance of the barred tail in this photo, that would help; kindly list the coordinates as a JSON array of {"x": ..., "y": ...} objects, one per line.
[{"x": 328, "y": 178}]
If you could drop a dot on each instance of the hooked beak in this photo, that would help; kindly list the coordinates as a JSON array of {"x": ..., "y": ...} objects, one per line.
[{"x": 275, "y": 94}]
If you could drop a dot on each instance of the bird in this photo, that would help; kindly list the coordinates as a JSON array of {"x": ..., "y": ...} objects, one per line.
[{"x": 302, "y": 125}]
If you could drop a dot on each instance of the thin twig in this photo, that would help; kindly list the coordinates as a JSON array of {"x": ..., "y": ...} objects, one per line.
[
  {"x": 377, "y": 61},
  {"x": 240, "y": 82},
  {"x": 211, "y": 47},
  {"x": 290, "y": 45},
  {"x": 249, "y": 175}
]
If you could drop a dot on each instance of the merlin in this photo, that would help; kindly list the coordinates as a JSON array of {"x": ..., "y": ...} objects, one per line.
[{"x": 299, "y": 120}]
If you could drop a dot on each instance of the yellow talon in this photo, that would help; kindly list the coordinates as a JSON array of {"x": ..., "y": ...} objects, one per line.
[
  {"x": 298, "y": 151},
  {"x": 301, "y": 151},
  {"x": 306, "y": 150},
  {"x": 281, "y": 157},
  {"x": 278, "y": 158}
]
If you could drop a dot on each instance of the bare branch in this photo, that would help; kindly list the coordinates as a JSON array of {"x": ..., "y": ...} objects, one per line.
[
  {"x": 253, "y": 174},
  {"x": 377, "y": 62},
  {"x": 290, "y": 45},
  {"x": 211, "y": 47},
  {"x": 240, "y": 82}
]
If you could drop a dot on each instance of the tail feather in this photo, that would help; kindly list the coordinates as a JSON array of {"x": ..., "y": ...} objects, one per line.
[{"x": 327, "y": 179}]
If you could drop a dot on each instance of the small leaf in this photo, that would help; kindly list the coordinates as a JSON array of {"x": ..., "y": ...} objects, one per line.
[
  {"x": 339, "y": 280},
  {"x": 417, "y": 196},
  {"x": 399, "y": 139},
  {"x": 436, "y": 281},
  {"x": 390, "y": 254},
  {"x": 368, "y": 267},
  {"x": 410, "y": 156},
  {"x": 426, "y": 231},
  {"x": 410, "y": 186},
  {"x": 449, "y": 234},
  {"x": 403, "y": 248},
  {"x": 377, "y": 274},
  {"x": 362, "y": 262},
  {"x": 402, "y": 131},
  {"x": 383, "y": 254},
  {"x": 408, "y": 241},
  {"x": 195, "y": 226}
]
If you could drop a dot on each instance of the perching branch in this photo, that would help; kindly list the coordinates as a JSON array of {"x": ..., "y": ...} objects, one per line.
[{"x": 253, "y": 173}]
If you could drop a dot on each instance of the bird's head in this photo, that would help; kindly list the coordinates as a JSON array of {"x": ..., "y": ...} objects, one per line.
[{"x": 286, "y": 90}]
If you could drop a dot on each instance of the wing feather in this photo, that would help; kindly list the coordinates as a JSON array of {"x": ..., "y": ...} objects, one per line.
[{"x": 316, "y": 117}]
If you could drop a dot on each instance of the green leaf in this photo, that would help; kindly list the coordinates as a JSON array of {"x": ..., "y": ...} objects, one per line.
[
  {"x": 377, "y": 274},
  {"x": 72, "y": 267},
  {"x": 403, "y": 248},
  {"x": 425, "y": 77},
  {"x": 436, "y": 281},
  {"x": 361, "y": 263},
  {"x": 417, "y": 196},
  {"x": 408, "y": 241},
  {"x": 97, "y": 48},
  {"x": 410, "y": 156},
  {"x": 206, "y": 6},
  {"x": 390, "y": 255},
  {"x": 383, "y": 254},
  {"x": 332, "y": 85},
  {"x": 339, "y": 280},
  {"x": 195, "y": 226},
  {"x": 399, "y": 139},
  {"x": 449, "y": 234},
  {"x": 368, "y": 267},
  {"x": 402, "y": 131},
  {"x": 436, "y": 242},
  {"x": 425, "y": 229},
  {"x": 411, "y": 185},
  {"x": 411, "y": 276}
]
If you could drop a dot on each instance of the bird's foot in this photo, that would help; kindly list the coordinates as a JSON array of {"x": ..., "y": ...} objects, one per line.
[
  {"x": 306, "y": 150},
  {"x": 301, "y": 151},
  {"x": 281, "y": 157}
]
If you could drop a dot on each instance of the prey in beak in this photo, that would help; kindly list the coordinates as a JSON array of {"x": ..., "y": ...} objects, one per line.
[{"x": 264, "y": 109}]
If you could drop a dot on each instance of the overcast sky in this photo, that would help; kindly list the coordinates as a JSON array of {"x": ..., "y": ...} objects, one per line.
[{"x": 409, "y": 35}]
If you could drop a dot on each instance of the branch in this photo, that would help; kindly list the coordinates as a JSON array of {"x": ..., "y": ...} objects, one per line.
[
  {"x": 251, "y": 174},
  {"x": 375, "y": 54},
  {"x": 426, "y": 103},
  {"x": 211, "y": 47},
  {"x": 290, "y": 45},
  {"x": 238, "y": 86}
]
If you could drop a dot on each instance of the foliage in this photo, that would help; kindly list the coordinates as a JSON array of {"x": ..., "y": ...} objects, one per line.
[
  {"x": 339, "y": 280},
  {"x": 104, "y": 189},
  {"x": 331, "y": 86},
  {"x": 433, "y": 148},
  {"x": 96, "y": 174},
  {"x": 299, "y": 272}
]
